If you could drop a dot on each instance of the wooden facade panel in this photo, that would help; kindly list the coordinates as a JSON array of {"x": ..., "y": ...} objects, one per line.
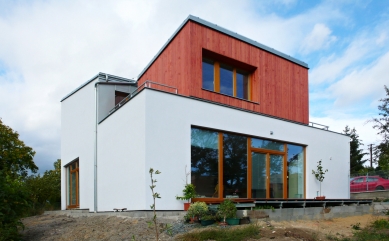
[{"x": 278, "y": 85}]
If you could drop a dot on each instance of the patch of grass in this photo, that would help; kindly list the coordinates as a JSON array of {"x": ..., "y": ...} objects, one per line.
[
  {"x": 356, "y": 226},
  {"x": 380, "y": 224},
  {"x": 222, "y": 234}
]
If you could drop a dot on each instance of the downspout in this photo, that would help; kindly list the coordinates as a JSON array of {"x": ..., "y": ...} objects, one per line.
[
  {"x": 96, "y": 122},
  {"x": 95, "y": 154}
]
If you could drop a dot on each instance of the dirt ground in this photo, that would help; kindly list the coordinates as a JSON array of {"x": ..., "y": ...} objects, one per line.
[{"x": 59, "y": 227}]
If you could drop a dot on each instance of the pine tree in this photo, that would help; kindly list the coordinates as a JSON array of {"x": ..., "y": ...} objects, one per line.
[{"x": 356, "y": 153}]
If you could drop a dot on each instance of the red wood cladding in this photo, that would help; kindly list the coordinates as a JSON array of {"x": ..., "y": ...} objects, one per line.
[{"x": 278, "y": 85}]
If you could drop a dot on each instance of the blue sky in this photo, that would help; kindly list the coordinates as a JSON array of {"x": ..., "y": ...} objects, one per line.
[{"x": 48, "y": 48}]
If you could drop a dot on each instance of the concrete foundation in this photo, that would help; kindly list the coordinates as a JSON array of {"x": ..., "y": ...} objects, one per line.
[{"x": 284, "y": 214}]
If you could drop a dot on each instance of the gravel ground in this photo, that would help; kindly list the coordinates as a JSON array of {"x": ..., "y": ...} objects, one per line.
[{"x": 61, "y": 227}]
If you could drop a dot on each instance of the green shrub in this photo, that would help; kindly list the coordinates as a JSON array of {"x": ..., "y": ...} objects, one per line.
[
  {"x": 197, "y": 209},
  {"x": 227, "y": 209}
]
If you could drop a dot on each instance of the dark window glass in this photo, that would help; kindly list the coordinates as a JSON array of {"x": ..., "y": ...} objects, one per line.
[
  {"x": 119, "y": 96},
  {"x": 258, "y": 175},
  {"x": 204, "y": 162},
  {"x": 267, "y": 144},
  {"x": 208, "y": 74},
  {"x": 242, "y": 81},
  {"x": 234, "y": 166},
  {"x": 226, "y": 80},
  {"x": 295, "y": 171},
  {"x": 358, "y": 180}
]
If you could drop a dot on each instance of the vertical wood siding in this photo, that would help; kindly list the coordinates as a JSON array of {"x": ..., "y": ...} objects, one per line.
[{"x": 278, "y": 85}]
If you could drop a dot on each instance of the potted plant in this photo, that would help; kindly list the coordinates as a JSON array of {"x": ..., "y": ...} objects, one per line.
[
  {"x": 227, "y": 210},
  {"x": 319, "y": 174},
  {"x": 197, "y": 210},
  {"x": 188, "y": 193},
  {"x": 207, "y": 219}
]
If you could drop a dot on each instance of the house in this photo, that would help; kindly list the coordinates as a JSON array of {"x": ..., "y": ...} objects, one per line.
[{"x": 229, "y": 110}]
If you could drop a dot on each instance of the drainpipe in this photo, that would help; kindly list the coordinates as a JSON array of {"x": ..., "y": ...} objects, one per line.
[
  {"x": 95, "y": 151},
  {"x": 96, "y": 122}
]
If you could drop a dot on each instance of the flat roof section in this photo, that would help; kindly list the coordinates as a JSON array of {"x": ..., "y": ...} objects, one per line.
[
  {"x": 227, "y": 32},
  {"x": 102, "y": 77}
]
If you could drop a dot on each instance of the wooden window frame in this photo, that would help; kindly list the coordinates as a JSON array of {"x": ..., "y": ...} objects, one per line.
[
  {"x": 235, "y": 70},
  {"x": 69, "y": 171},
  {"x": 251, "y": 149}
]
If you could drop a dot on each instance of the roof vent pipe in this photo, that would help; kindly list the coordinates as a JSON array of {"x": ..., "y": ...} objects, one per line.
[{"x": 106, "y": 78}]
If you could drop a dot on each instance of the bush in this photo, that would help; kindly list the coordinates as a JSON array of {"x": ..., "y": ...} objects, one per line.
[
  {"x": 197, "y": 209},
  {"x": 227, "y": 209}
]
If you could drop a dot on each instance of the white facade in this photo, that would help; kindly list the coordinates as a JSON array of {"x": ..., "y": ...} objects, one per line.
[{"x": 153, "y": 130}]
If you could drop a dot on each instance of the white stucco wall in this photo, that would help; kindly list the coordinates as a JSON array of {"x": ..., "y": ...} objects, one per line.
[
  {"x": 168, "y": 123},
  {"x": 154, "y": 130},
  {"x": 121, "y": 158},
  {"x": 77, "y": 141}
]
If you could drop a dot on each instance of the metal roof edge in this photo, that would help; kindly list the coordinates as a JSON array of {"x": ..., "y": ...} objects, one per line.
[
  {"x": 100, "y": 75},
  {"x": 227, "y": 32}
]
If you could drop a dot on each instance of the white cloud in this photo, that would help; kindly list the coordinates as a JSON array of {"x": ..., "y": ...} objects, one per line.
[
  {"x": 362, "y": 83},
  {"x": 320, "y": 37}
]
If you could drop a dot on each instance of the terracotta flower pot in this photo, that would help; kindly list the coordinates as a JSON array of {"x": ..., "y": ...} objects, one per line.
[
  {"x": 320, "y": 198},
  {"x": 186, "y": 206}
]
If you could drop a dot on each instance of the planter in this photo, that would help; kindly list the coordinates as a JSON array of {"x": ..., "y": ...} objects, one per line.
[
  {"x": 320, "y": 198},
  {"x": 186, "y": 206},
  {"x": 207, "y": 222},
  {"x": 232, "y": 221}
]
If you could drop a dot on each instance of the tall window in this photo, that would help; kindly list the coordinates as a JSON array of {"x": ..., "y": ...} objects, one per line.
[
  {"x": 234, "y": 166},
  {"x": 295, "y": 171},
  {"x": 225, "y": 79},
  {"x": 205, "y": 162},
  {"x": 73, "y": 185}
]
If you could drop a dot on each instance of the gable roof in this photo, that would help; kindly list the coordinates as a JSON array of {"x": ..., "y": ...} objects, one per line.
[{"x": 227, "y": 32}]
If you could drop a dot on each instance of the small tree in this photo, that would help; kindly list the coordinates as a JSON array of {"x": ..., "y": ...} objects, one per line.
[
  {"x": 155, "y": 195},
  {"x": 319, "y": 173}
]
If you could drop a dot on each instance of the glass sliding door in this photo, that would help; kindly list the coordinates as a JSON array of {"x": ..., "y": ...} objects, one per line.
[
  {"x": 276, "y": 176},
  {"x": 258, "y": 175}
]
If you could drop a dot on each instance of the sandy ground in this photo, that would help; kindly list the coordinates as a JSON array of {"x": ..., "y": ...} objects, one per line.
[{"x": 59, "y": 227}]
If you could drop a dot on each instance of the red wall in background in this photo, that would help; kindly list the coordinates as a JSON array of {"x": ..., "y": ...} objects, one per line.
[{"x": 278, "y": 85}]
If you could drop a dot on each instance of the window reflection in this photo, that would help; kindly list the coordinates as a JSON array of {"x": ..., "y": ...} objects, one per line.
[
  {"x": 208, "y": 74},
  {"x": 226, "y": 80},
  {"x": 242, "y": 82},
  {"x": 267, "y": 144},
  {"x": 295, "y": 171},
  {"x": 234, "y": 166},
  {"x": 276, "y": 176},
  {"x": 204, "y": 162}
]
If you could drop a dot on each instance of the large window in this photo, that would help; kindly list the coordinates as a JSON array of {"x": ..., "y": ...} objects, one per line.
[
  {"x": 204, "y": 162},
  {"x": 234, "y": 166},
  {"x": 225, "y": 79},
  {"x": 226, "y": 165}
]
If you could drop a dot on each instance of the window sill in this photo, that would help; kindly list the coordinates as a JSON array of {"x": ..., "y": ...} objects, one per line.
[{"x": 257, "y": 103}]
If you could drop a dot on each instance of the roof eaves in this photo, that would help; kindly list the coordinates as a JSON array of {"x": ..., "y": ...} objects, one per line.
[{"x": 227, "y": 32}]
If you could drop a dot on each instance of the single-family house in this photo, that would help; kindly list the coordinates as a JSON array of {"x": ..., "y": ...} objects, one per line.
[{"x": 212, "y": 108}]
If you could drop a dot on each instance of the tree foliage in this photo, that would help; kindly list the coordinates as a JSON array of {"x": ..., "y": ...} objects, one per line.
[
  {"x": 45, "y": 190},
  {"x": 16, "y": 160},
  {"x": 356, "y": 152},
  {"x": 381, "y": 124}
]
